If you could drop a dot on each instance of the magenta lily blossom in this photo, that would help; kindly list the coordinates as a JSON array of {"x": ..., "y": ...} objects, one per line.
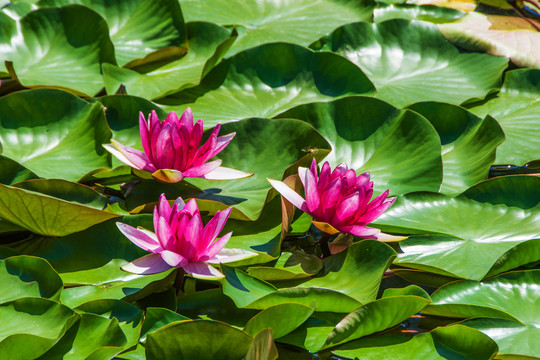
[
  {"x": 181, "y": 241},
  {"x": 173, "y": 151},
  {"x": 337, "y": 198}
]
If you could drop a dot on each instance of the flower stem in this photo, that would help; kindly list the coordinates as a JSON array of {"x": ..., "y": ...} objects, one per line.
[{"x": 179, "y": 281}]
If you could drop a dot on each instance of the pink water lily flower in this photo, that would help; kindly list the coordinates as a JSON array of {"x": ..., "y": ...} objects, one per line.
[
  {"x": 173, "y": 151},
  {"x": 339, "y": 200},
  {"x": 180, "y": 240}
]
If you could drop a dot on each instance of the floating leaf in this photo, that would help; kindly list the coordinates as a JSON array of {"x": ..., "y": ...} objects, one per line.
[
  {"x": 431, "y": 13},
  {"x": 187, "y": 339},
  {"x": 282, "y": 319},
  {"x": 263, "y": 347},
  {"x": 299, "y": 22},
  {"x": 28, "y": 276},
  {"x": 516, "y": 109},
  {"x": 428, "y": 68},
  {"x": 156, "y": 318},
  {"x": 509, "y": 36},
  {"x": 468, "y": 143},
  {"x": 267, "y": 80},
  {"x": 58, "y": 47},
  {"x": 59, "y": 136}
]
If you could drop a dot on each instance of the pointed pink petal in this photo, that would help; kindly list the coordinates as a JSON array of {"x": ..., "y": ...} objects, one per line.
[
  {"x": 191, "y": 207},
  {"x": 179, "y": 202},
  {"x": 359, "y": 230},
  {"x": 173, "y": 259},
  {"x": 215, "y": 247},
  {"x": 292, "y": 196},
  {"x": 201, "y": 270},
  {"x": 374, "y": 213},
  {"x": 171, "y": 118},
  {"x": 168, "y": 175},
  {"x": 213, "y": 228},
  {"x": 324, "y": 178},
  {"x": 362, "y": 179},
  {"x": 132, "y": 157},
  {"x": 201, "y": 170},
  {"x": 204, "y": 153},
  {"x": 222, "y": 142},
  {"x": 313, "y": 167},
  {"x": 187, "y": 119},
  {"x": 164, "y": 233},
  {"x": 196, "y": 135},
  {"x": 146, "y": 265},
  {"x": 379, "y": 199},
  {"x": 313, "y": 199},
  {"x": 329, "y": 198},
  {"x": 230, "y": 255},
  {"x": 225, "y": 173},
  {"x": 347, "y": 208},
  {"x": 164, "y": 154},
  {"x": 139, "y": 238},
  {"x": 144, "y": 130},
  {"x": 193, "y": 236},
  {"x": 163, "y": 207}
]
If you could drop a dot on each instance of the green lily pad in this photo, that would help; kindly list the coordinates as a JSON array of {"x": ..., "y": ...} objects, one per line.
[
  {"x": 509, "y": 296},
  {"x": 130, "y": 318},
  {"x": 208, "y": 43},
  {"x": 451, "y": 342},
  {"x": 58, "y": 136},
  {"x": 267, "y": 80},
  {"x": 32, "y": 326},
  {"x": 370, "y": 135},
  {"x": 133, "y": 32},
  {"x": 59, "y": 47},
  {"x": 26, "y": 209},
  {"x": 282, "y": 319},
  {"x": 431, "y": 13},
  {"x": 288, "y": 266},
  {"x": 377, "y": 316},
  {"x": 299, "y": 22},
  {"x": 515, "y": 340},
  {"x": 28, "y": 276},
  {"x": 428, "y": 68},
  {"x": 93, "y": 337},
  {"x": 466, "y": 228},
  {"x": 516, "y": 108},
  {"x": 186, "y": 339},
  {"x": 509, "y": 36},
  {"x": 156, "y": 318},
  {"x": 468, "y": 143},
  {"x": 12, "y": 172},
  {"x": 131, "y": 289}
]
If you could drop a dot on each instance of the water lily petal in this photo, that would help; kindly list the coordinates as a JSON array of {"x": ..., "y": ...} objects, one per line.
[
  {"x": 144, "y": 129},
  {"x": 164, "y": 233},
  {"x": 201, "y": 170},
  {"x": 313, "y": 199},
  {"x": 292, "y": 196},
  {"x": 201, "y": 270},
  {"x": 359, "y": 230},
  {"x": 215, "y": 247},
  {"x": 213, "y": 228},
  {"x": 374, "y": 213},
  {"x": 187, "y": 119},
  {"x": 168, "y": 175},
  {"x": 225, "y": 173},
  {"x": 230, "y": 255},
  {"x": 147, "y": 265},
  {"x": 347, "y": 208},
  {"x": 173, "y": 259},
  {"x": 132, "y": 157},
  {"x": 222, "y": 142},
  {"x": 140, "y": 238}
]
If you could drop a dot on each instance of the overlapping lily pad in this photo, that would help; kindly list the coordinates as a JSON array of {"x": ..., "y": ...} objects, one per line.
[
  {"x": 208, "y": 43},
  {"x": 462, "y": 228},
  {"x": 368, "y": 135},
  {"x": 298, "y": 22},
  {"x": 516, "y": 109},
  {"x": 410, "y": 61},
  {"x": 136, "y": 35},
  {"x": 468, "y": 143},
  {"x": 53, "y": 134},
  {"x": 57, "y": 47},
  {"x": 268, "y": 79}
]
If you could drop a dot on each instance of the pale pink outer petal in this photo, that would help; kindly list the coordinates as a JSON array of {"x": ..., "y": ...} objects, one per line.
[
  {"x": 141, "y": 163},
  {"x": 201, "y": 170},
  {"x": 146, "y": 265},
  {"x": 136, "y": 157},
  {"x": 173, "y": 259},
  {"x": 230, "y": 255},
  {"x": 292, "y": 196},
  {"x": 140, "y": 238},
  {"x": 224, "y": 173},
  {"x": 359, "y": 230},
  {"x": 201, "y": 270}
]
